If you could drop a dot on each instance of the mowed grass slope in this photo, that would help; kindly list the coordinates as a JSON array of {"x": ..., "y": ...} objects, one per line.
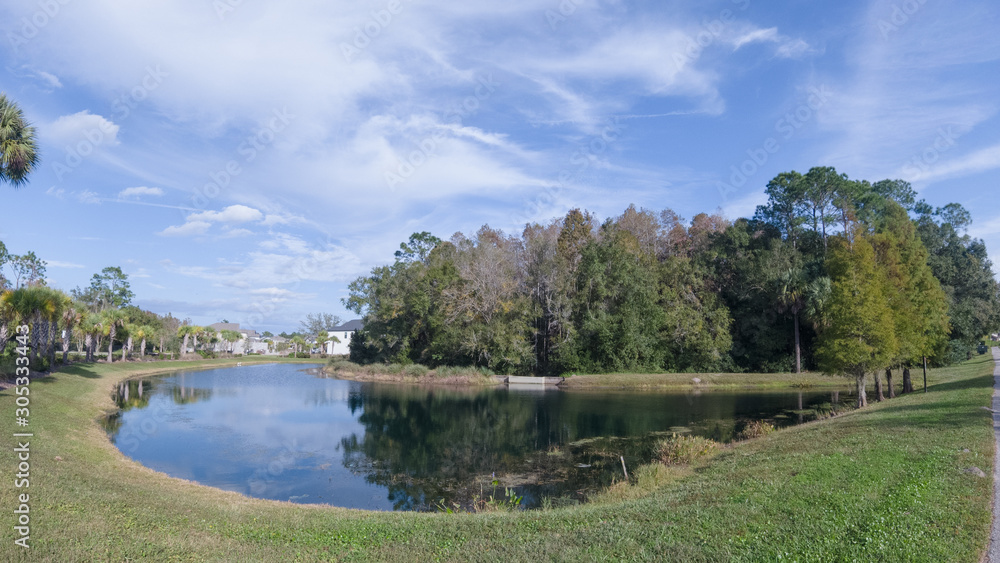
[{"x": 885, "y": 483}]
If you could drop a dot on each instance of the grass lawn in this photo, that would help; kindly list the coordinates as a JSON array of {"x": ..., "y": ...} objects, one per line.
[{"x": 881, "y": 484}]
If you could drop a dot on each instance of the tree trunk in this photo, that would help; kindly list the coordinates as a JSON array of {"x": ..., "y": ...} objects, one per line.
[
  {"x": 53, "y": 329},
  {"x": 862, "y": 397},
  {"x": 111, "y": 345},
  {"x": 798, "y": 349},
  {"x": 184, "y": 347},
  {"x": 65, "y": 343},
  {"x": 142, "y": 350},
  {"x": 888, "y": 383},
  {"x": 907, "y": 382},
  {"x": 925, "y": 374},
  {"x": 879, "y": 396}
]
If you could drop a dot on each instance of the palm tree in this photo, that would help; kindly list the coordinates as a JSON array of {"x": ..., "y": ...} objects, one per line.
[
  {"x": 8, "y": 317},
  {"x": 186, "y": 331},
  {"x": 26, "y": 304},
  {"x": 113, "y": 319},
  {"x": 196, "y": 331},
  {"x": 92, "y": 325},
  {"x": 18, "y": 150},
  {"x": 146, "y": 332},
  {"x": 232, "y": 337},
  {"x": 72, "y": 316}
]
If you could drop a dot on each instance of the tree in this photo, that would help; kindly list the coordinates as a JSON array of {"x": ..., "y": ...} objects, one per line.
[
  {"x": 4, "y": 258},
  {"x": 108, "y": 289},
  {"x": 963, "y": 267},
  {"x": 142, "y": 333},
  {"x": 231, "y": 337},
  {"x": 418, "y": 248},
  {"x": 27, "y": 270},
  {"x": 185, "y": 332},
  {"x": 317, "y": 327},
  {"x": 859, "y": 337},
  {"x": 919, "y": 305},
  {"x": 72, "y": 317},
  {"x": 113, "y": 319},
  {"x": 18, "y": 147},
  {"x": 299, "y": 343},
  {"x": 821, "y": 186},
  {"x": 786, "y": 197}
]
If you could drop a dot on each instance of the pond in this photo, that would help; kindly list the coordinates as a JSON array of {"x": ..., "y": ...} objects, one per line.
[{"x": 279, "y": 432}]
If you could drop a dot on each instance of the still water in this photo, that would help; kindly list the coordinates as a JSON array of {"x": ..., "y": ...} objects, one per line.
[{"x": 280, "y": 432}]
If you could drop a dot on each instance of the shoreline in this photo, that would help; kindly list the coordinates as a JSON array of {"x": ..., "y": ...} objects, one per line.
[{"x": 757, "y": 498}]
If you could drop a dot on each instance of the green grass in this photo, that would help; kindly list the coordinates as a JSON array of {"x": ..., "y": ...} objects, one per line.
[{"x": 881, "y": 484}]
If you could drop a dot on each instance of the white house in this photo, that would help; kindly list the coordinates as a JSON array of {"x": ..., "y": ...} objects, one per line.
[
  {"x": 343, "y": 333},
  {"x": 249, "y": 341}
]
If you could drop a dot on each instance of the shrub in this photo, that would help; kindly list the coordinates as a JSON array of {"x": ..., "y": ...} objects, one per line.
[
  {"x": 206, "y": 354},
  {"x": 343, "y": 365},
  {"x": 415, "y": 370},
  {"x": 303, "y": 355},
  {"x": 755, "y": 429},
  {"x": 681, "y": 450}
]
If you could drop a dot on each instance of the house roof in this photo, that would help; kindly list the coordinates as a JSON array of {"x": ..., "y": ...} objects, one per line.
[
  {"x": 356, "y": 324},
  {"x": 219, "y": 327}
]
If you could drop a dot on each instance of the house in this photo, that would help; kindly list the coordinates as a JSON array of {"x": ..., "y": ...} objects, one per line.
[
  {"x": 343, "y": 333},
  {"x": 250, "y": 341}
]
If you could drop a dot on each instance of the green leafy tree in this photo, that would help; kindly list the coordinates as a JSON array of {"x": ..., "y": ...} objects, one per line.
[
  {"x": 108, "y": 289},
  {"x": 962, "y": 265},
  {"x": 859, "y": 337},
  {"x": 18, "y": 146}
]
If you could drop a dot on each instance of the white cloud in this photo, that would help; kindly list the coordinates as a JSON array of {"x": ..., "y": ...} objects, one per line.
[
  {"x": 84, "y": 126},
  {"x": 50, "y": 80},
  {"x": 139, "y": 191},
  {"x": 187, "y": 229},
  {"x": 978, "y": 161},
  {"x": 231, "y": 214},
  {"x": 59, "y": 264},
  {"x": 88, "y": 197},
  {"x": 236, "y": 233}
]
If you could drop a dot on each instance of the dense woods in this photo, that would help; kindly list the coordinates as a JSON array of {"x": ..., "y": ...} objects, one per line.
[{"x": 831, "y": 273}]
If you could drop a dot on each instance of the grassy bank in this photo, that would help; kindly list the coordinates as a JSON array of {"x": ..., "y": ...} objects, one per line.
[
  {"x": 412, "y": 373},
  {"x": 717, "y": 380},
  {"x": 884, "y": 483}
]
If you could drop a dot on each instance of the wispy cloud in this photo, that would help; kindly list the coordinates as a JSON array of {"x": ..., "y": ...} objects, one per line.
[{"x": 140, "y": 191}]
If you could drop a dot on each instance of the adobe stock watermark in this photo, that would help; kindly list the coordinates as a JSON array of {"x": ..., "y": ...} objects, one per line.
[
  {"x": 580, "y": 162},
  {"x": 249, "y": 149},
  {"x": 786, "y": 127},
  {"x": 562, "y": 12},
  {"x": 710, "y": 32},
  {"x": 427, "y": 147},
  {"x": 95, "y": 137},
  {"x": 920, "y": 164},
  {"x": 377, "y": 22},
  {"x": 30, "y": 26},
  {"x": 899, "y": 16}
]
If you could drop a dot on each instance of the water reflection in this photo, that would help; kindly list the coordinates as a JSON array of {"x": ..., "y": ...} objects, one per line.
[{"x": 276, "y": 432}]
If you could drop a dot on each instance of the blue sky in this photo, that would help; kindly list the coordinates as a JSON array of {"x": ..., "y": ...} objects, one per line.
[{"x": 247, "y": 160}]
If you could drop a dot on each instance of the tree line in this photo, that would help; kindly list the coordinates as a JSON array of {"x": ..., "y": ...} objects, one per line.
[
  {"x": 647, "y": 291},
  {"x": 97, "y": 320}
]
